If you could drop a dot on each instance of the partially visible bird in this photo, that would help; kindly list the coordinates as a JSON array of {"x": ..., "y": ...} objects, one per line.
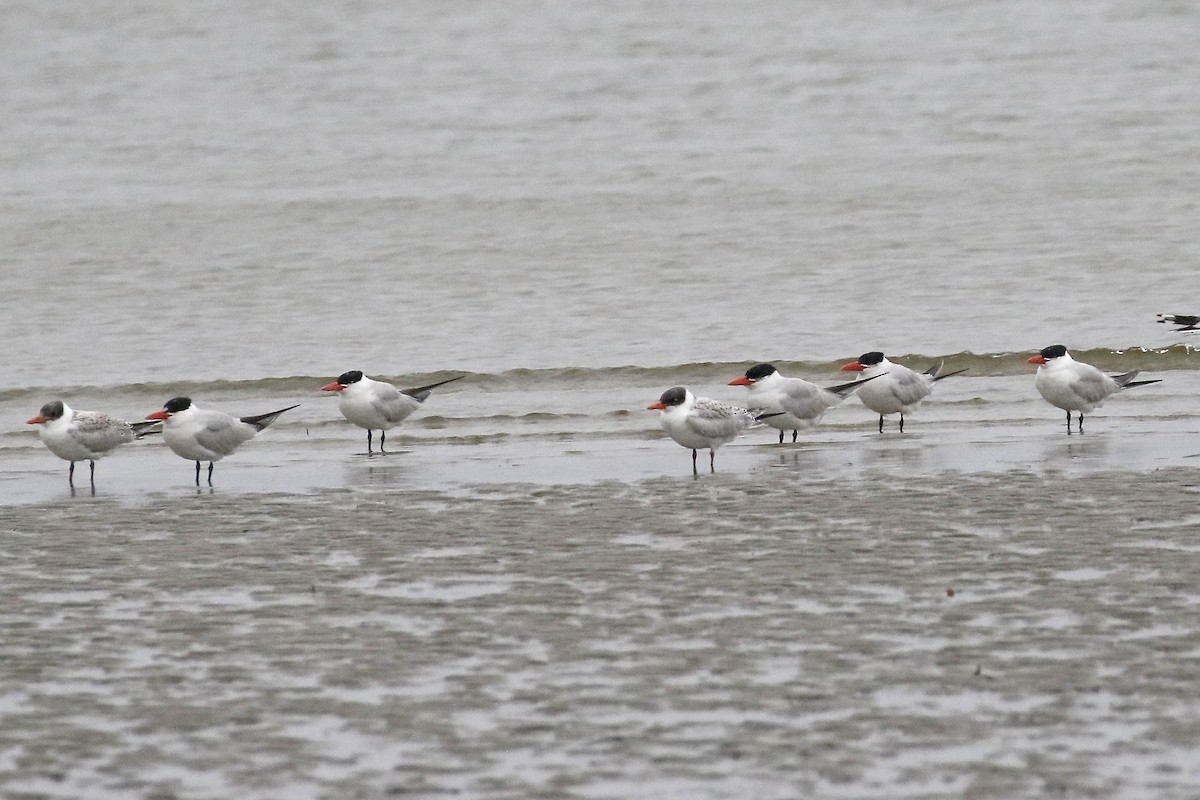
[
  {"x": 800, "y": 404},
  {"x": 1186, "y": 322},
  {"x": 899, "y": 389},
  {"x": 376, "y": 405},
  {"x": 1074, "y": 385},
  {"x": 201, "y": 435},
  {"x": 84, "y": 435},
  {"x": 699, "y": 422}
]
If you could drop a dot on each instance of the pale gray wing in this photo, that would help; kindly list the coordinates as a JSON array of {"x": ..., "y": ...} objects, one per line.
[
  {"x": 1093, "y": 385},
  {"x": 100, "y": 432},
  {"x": 392, "y": 404},
  {"x": 222, "y": 433},
  {"x": 713, "y": 419},
  {"x": 909, "y": 387},
  {"x": 805, "y": 400}
]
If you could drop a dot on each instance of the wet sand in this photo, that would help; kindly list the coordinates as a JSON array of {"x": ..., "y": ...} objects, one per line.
[{"x": 855, "y": 616}]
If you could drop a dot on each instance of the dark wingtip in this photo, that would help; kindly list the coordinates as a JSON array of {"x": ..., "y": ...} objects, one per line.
[
  {"x": 421, "y": 392},
  {"x": 845, "y": 389},
  {"x": 146, "y": 427},
  {"x": 951, "y": 374},
  {"x": 261, "y": 421}
]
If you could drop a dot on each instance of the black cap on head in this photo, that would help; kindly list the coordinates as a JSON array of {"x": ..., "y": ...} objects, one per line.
[
  {"x": 353, "y": 376},
  {"x": 177, "y": 404},
  {"x": 52, "y": 410},
  {"x": 871, "y": 359},
  {"x": 759, "y": 371},
  {"x": 1053, "y": 351},
  {"x": 673, "y": 396}
]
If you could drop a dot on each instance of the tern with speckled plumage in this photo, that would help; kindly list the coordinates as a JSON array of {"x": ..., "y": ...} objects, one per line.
[
  {"x": 700, "y": 422},
  {"x": 84, "y": 435}
]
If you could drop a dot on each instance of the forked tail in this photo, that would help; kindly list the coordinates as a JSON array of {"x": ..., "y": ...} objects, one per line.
[
  {"x": 935, "y": 372},
  {"x": 263, "y": 420},
  {"x": 147, "y": 427},
  {"x": 1127, "y": 381}
]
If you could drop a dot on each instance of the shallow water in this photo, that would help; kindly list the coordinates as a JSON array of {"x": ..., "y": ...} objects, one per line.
[
  {"x": 556, "y": 607},
  {"x": 194, "y": 194},
  {"x": 577, "y": 207}
]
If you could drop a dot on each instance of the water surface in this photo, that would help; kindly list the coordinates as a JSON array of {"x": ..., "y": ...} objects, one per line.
[{"x": 578, "y": 206}]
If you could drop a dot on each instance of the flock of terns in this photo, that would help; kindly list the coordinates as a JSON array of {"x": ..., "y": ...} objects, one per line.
[
  {"x": 199, "y": 434},
  {"x": 885, "y": 387},
  {"x": 696, "y": 423}
]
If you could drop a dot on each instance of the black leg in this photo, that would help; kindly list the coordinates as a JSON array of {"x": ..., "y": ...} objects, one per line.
[
  {"x": 902, "y": 423},
  {"x": 92, "y": 473},
  {"x": 1081, "y": 422},
  {"x": 71, "y": 475},
  {"x": 712, "y": 460},
  {"x": 382, "y": 436},
  {"x": 781, "y": 437},
  {"x": 794, "y": 435},
  {"x": 197, "y": 473},
  {"x": 369, "y": 441},
  {"x": 210, "y": 466},
  {"x": 1068, "y": 423},
  {"x": 694, "y": 470},
  {"x": 881, "y": 423}
]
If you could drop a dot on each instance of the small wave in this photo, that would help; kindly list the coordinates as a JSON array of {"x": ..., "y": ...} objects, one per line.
[{"x": 1175, "y": 357}]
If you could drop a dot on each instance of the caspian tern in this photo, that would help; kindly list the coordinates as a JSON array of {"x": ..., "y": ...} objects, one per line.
[
  {"x": 698, "y": 422},
  {"x": 84, "y": 435},
  {"x": 800, "y": 404},
  {"x": 1186, "y": 322},
  {"x": 376, "y": 405},
  {"x": 200, "y": 435},
  {"x": 1075, "y": 386},
  {"x": 899, "y": 389}
]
